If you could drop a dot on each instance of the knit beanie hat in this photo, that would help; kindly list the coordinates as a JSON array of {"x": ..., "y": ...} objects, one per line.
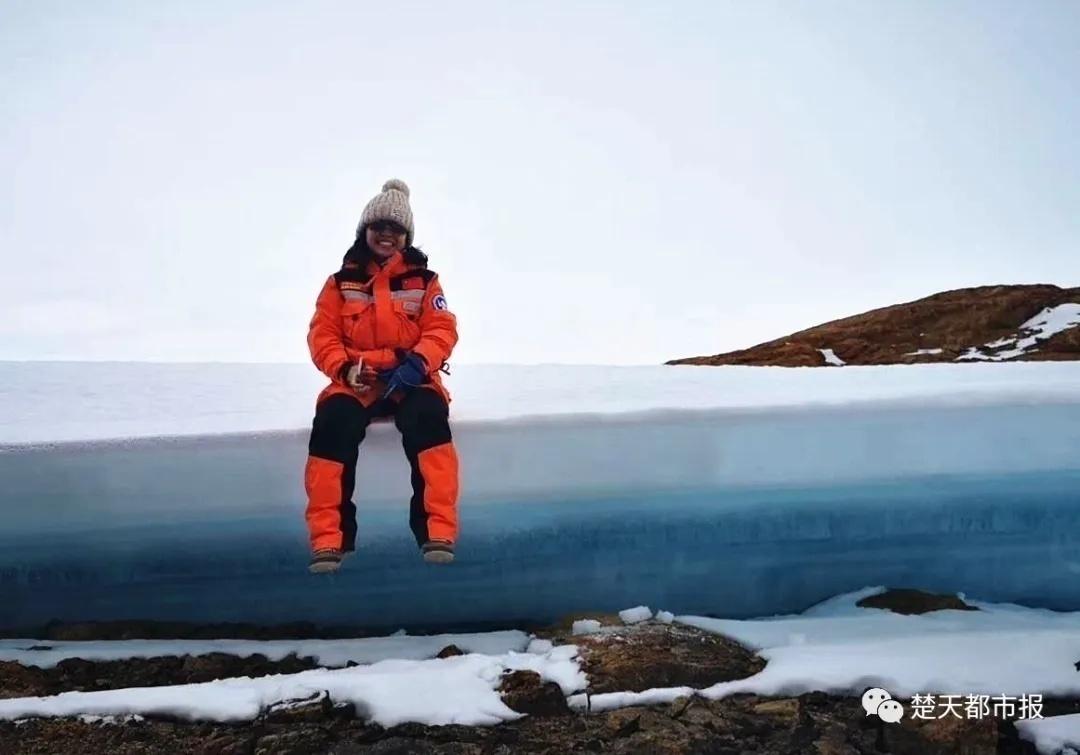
[{"x": 392, "y": 203}]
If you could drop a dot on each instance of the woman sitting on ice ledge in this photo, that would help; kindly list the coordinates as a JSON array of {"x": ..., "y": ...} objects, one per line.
[{"x": 381, "y": 332}]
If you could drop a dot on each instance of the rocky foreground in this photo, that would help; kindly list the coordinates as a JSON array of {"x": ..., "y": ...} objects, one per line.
[
  {"x": 945, "y": 327},
  {"x": 622, "y": 658}
]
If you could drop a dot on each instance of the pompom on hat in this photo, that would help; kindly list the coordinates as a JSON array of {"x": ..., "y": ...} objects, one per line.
[{"x": 392, "y": 203}]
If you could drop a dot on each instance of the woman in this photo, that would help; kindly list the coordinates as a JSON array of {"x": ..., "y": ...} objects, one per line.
[{"x": 381, "y": 332}]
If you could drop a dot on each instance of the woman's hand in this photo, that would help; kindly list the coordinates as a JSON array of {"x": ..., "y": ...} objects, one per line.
[
  {"x": 352, "y": 378},
  {"x": 360, "y": 378}
]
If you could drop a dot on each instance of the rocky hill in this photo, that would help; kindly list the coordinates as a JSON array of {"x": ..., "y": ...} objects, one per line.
[{"x": 988, "y": 323}]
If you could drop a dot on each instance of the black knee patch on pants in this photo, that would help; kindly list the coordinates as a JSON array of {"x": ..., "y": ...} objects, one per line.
[
  {"x": 424, "y": 421},
  {"x": 338, "y": 428}
]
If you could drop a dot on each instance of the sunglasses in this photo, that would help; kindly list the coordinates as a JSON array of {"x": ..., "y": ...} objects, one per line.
[{"x": 381, "y": 226}]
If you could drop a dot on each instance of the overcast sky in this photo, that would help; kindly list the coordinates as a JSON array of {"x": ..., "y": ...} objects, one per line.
[{"x": 594, "y": 182}]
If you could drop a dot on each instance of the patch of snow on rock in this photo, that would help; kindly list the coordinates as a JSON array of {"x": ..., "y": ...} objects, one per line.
[
  {"x": 831, "y": 358},
  {"x": 585, "y": 626},
  {"x": 636, "y": 615},
  {"x": 1045, "y": 325},
  {"x": 1056, "y": 734}
]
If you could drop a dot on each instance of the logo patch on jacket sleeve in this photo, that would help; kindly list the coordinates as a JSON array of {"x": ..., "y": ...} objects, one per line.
[{"x": 439, "y": 302}]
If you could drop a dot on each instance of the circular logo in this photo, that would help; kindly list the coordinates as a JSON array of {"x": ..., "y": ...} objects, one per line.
[{"x": 439, "y": 302}]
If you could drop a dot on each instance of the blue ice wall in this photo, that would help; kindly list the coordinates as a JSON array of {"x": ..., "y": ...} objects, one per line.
[{"x": 727, "y": 514}]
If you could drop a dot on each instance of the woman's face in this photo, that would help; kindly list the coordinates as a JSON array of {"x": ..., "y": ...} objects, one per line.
[{"x": 384, "y": 237}]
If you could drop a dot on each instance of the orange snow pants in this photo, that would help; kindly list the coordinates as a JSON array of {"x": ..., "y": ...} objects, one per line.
[{"x": 339, "y": 427}]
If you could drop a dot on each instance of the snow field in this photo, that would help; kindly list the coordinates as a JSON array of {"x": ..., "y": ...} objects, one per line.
[
  {"x": 835, "y": 646},
  {"x": 841, "y": 648},
  {"x": 456, "y": 690},
  {"x": 135, "y": 400}
]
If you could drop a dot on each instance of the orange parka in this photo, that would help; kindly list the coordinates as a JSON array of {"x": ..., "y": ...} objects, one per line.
[{"x": 367, "y": 314}]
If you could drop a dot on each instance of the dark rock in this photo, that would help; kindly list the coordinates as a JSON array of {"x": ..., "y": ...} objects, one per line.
[
  {"x": 17, "y": 680},
  {"x": 906, "y": 601},
  {"x": 80, "y": 674},
  {"x": 679, "y": 705},
  {"x": 969, "y": 736},
  {"x": 226, "y": 743},
  {"x": 305, "y": 741},
  {"x": 704, "y": 715},
  {"x": 526, "y": 692},
  {"x": 450, "y": 651},
  {"x": 785, "y": 709},
  {"x": 810, "y": 724},
  {"x": 622, "y": 722},
  {"x": 657, "y": 733},
  {"x": 316, "y": 707},
  {"x": 409, "y": 746},
  {"x": 348, "y": 711},
  {"x": 834, "y": 742},
  {"x": 649, "y": 655}
]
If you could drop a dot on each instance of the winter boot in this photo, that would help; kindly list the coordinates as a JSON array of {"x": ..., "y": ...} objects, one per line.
[
  {"x": 438, "y": 551},
  {"x": 325, "y": 560}
]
